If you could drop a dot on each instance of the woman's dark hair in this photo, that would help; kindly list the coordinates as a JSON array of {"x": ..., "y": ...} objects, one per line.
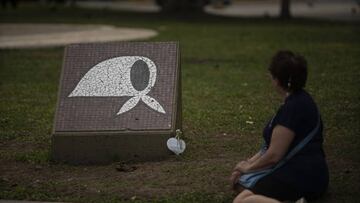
[{"x": 290, "y": 69}]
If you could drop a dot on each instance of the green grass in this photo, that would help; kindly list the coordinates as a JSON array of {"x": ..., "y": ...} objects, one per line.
[{"x": 225, "y": 84}]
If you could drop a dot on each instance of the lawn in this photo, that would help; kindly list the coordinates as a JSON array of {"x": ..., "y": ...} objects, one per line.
[{"x": 224, "y": 85}]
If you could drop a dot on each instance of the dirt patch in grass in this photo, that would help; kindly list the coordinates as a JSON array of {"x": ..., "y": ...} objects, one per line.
[
  {"x": 150, "y": 180},
  {"x": 204, "y": 168}
]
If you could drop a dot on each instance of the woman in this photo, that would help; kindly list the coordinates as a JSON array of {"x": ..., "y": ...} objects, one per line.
[{"x": 306, "y": 173}]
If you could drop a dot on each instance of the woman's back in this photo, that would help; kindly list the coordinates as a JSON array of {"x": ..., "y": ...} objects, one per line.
[{"x": 307, "y": 171}]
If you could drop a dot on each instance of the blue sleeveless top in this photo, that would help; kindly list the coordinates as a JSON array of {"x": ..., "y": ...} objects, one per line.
[{"x": 307, "y": 171}]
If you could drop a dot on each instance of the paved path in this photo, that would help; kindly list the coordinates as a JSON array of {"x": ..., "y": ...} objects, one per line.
[
  {"x": 45, "y": 35},
  {"x": 344, "y": 10}
]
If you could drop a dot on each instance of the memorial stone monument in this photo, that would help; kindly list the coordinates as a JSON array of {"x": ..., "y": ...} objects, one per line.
[{"x": 117, "y": 102}]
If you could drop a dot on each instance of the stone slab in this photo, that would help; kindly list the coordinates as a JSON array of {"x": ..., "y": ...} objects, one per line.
[{"x": 117, "y": 101}]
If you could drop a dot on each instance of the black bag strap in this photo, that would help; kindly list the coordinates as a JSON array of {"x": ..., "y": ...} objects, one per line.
[{"x": 300, "y": 146}]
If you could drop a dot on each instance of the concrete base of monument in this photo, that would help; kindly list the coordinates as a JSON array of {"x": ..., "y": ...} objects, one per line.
[{"x": 104, "y": 148}]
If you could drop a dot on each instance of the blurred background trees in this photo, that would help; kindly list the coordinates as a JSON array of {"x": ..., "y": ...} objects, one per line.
[{"x": 167, "y": 6}]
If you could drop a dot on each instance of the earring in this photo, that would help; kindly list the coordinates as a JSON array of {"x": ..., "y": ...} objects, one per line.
[{"x": 289, "y": 82}]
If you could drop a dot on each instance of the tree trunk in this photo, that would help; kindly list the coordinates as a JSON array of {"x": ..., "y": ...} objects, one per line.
[{"x": 285, "y": 9}]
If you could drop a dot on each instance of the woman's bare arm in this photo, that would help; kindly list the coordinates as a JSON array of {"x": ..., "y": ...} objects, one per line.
[
  {"x": 255, "y": 157},
  {"x": 280, "y": 142}
]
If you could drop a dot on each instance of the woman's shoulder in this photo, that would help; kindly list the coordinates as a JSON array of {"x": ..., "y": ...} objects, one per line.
[
  {"x": 298, "y": 108},
  {"x": 300, "y": 101},
  {"x": 299, "y": 113}
]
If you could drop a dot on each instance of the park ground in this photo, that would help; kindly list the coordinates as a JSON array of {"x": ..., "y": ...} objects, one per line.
[{"x": 227, "y": 98}]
